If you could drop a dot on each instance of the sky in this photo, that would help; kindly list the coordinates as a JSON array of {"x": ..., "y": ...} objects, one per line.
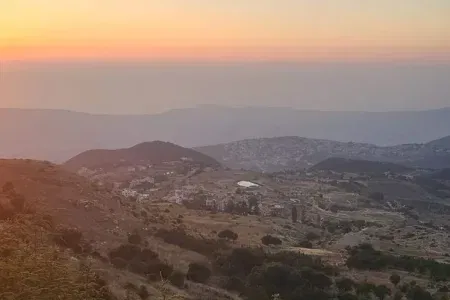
[
  {"x": 148, "y": 56},
  {"x": 287, "y": 30}
]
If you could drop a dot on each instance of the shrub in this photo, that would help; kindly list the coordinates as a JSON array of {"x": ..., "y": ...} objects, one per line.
[
  {"x": 177, "y": 279},
  {"x": 345, "y": 284},
  {"x": 395, "y": 279},
  {"x": 240, "y": 261},
  {"x": 381, "y": 291},
  {"x": 18, "y": 202},
  {"x": 305, "y": 244},
  {"x": 228, "y": 234},
  {"x": 134, "y": 238},
  {"x": 143, "y": 262},
  {"x": 119, "y": 263},
  {"x": 365, "y": 257},
  {"x": 271, "y": 240},
  {"x": 69, "y": 238},
  {"x": 289, "y": 282},
  {"x": 234, "y": 283},
  {"x": 137, "y": 266},
  {"x": 294, "y": 214},
  {"x": 347, "y": 296},
  {"x": 311, "y": 236},
  {"x": 377, "y": 196},
  {"x": 8, "y": 187},
  {"x": 198, "y": 273},
  {"x": 181, "y": 239},
  {"x": 158, "y": 269},
  {"x": 417, "y": 293},
  {"x": 126, "y": 252},
  {"x": 143, "y": 292}
]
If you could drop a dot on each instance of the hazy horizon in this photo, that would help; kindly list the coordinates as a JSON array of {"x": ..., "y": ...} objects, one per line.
[{"x": 149, "y": 87}]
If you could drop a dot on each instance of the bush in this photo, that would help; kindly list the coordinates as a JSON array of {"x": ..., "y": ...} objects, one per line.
[
  {"x": 271, "y": 240},
  {"x": 143, "y": 262},
  {"x": 198, "y": 273},
  {"x": 240, "y": 261},
  {"x": 305, "y": 244},
  {"x": 289, "y": 282},
  {"x": 134, "y": 238},
  {"x": 18, "y": 202},
  {"x": 126, "y": 252},
  {"x": 234, "y": 283},
  {"x": 395, "y": 279},
  {"x": 8, "y": 187},
  {"x": 417, "y": 293},
  {"x": 381, "y": 291},
  {"x": 69, "y": 238},
  {"x": 311, "y": 236},
  {"x": 366, "y": 258},
  {"x": 228, "y": 234},
  {"x": 177, "y": 279},
  {"x": 347, "y": 296},
  {"x": 181, "y": 239},
  {"x": 119, "y": 263},
  {"x": 345, "y": 284},
  {"x": 377, "y": 196},
  {"x": 143, "y": 293},
  {"x": 158, "y": 269}
]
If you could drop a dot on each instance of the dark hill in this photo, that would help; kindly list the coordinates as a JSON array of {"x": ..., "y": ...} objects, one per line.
[
  {"x": 342, "y": 165},
  {"x": 443, "y": 174},
  {"x": 440, "y": 143},
  {"x": 155, "y": 152}
]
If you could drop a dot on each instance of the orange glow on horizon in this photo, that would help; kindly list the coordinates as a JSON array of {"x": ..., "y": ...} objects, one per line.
[{"x": 300, "y": 30}]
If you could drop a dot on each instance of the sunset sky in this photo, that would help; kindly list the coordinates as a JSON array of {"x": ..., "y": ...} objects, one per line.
[{"x": 220, "y": 30}]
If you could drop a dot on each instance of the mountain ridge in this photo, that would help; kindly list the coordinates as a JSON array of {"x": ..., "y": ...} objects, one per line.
[
  {"x": 69, "y": 133},
  {"x": 290, "y": 152}
]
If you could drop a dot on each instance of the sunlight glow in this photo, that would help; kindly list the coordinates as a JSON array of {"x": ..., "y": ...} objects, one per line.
[{"x": 246, "y": 29}]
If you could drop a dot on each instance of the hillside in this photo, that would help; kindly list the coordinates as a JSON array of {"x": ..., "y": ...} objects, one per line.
[
  {"x": 443, "y": 174},
  {"x": 203, "y": 247},
  {"x": 282, "y": 153},
  {"x": 145, "y": 154},
  {"x": 440, "y": 143},
  {"x": 69, "y": 198},
  {"x": 69, "y": 133},
  {"x": 343, "y": 165}
]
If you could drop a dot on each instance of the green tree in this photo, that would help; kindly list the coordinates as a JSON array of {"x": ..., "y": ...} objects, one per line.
[
  {"x": 347, "y": 296},
  {"x": 398, "y": 295},
  {"x": 345, "y": 284},
  {"x": 381, "y": 291},
  {"x": 395, "y": 279},
  {"x": 198, "y": 273},
  {"x": 230, "y": 207},
  {"x": 417, "y": 293},
  {"x": 294, "y": 214}
]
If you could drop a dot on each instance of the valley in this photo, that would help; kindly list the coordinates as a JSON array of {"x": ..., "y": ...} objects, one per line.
[{"x": 159, "y": 221}]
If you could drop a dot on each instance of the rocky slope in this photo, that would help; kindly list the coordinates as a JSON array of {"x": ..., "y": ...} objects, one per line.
[{"x": 281, "y": 153}]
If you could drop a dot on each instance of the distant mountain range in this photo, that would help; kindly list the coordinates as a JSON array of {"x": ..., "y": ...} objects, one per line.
[
  {"x": 283, "y": 153},
  {"x": 145, "y": 154},
  {"x": 58, "y": 135}
]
